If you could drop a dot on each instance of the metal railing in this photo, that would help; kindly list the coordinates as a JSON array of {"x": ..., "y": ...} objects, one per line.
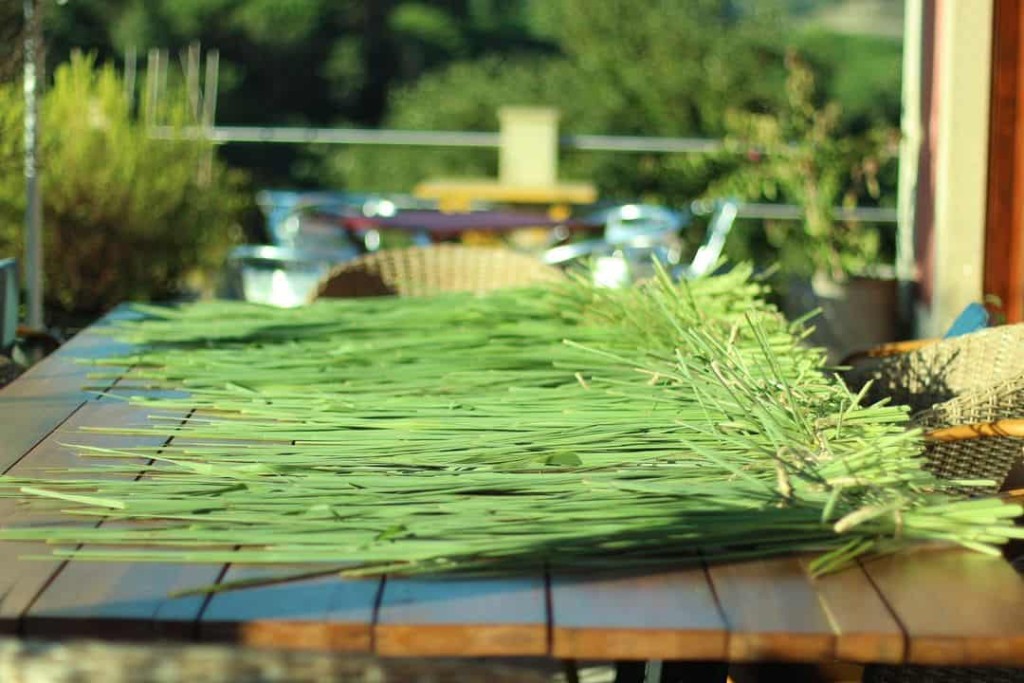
[
  {"x": 475, "y": 139},
  {"x": 429, "y": 138},
  {"x": 868, "y": 214}
]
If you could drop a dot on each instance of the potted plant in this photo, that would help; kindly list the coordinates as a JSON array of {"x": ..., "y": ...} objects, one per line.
[{"x": 827, "y": 259}]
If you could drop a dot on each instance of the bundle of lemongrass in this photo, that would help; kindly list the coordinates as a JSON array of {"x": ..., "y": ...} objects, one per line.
[{"x": 568, "y": 425}]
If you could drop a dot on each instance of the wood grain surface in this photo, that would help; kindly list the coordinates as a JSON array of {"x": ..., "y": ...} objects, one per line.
[
  {"x": 323, "y": 613},
  {"x": 956, "y": 607},
  {"x": 866, "y": 630},
  {"x": 463, "y": 617},
  {"x": 773, "y": 611},
  {"x": 668, "y": 615},
  {"x": 122, "y": 600},
  {"x": 22, "y": 580}
]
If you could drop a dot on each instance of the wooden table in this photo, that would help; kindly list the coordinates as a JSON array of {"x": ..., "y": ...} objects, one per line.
[{"x": 934, "y": 606}]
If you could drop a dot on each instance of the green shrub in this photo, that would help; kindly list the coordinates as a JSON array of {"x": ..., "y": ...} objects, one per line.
[
  {"x": 126, "y": 215},
  {"x": 798, "y": 154}
]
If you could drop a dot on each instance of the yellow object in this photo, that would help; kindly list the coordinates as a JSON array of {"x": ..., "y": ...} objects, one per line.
[
  {"x": 455, "y": 195},
  {"x": 481, "y": 238},
  {"x": 527, "y": 170}
]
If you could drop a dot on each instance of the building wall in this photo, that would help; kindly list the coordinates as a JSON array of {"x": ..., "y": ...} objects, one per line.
[{"x": 952, "y": 156}]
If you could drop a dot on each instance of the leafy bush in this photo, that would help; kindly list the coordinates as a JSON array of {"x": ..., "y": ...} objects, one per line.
[
  {"x": 126, "y": 215},
  {"x": 797, "y": 154}
]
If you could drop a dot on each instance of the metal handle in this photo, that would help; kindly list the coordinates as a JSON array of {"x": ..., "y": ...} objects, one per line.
[{"x": 708, "y": 253}]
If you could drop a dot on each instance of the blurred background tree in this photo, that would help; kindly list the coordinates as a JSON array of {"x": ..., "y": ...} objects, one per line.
[
  {"x": 629, "y": 67},
  {"x": 625, "y": 67},
  {"x": 299, "y": 62}
]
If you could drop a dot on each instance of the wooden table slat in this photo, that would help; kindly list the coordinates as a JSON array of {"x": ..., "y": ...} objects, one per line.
[
  {"x": 325, "y": 613},
  {"x": 21, "y": 581},
  {"x": 957, "y": 607},
  {"x": 49, "y": 391},
  {"x": 773, "y": 611},
  {"x": 122, "y": 599},
  {"x": 463, "y": 617},
  {"x": 60, "y": 375},
  {"x": 866, "y": 630},
  {"x": 27, "y": 421},
  {"x": 668, "y": 615}
]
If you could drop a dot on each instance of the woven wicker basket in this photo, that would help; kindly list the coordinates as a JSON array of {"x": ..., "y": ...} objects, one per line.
[
  {"x": 976, "y": 435},
  {"x": 419, "y": 271},
  {"x": 937, "y": 371},
  {"x": 920, "y": 674},
  {"x": 966, "y": 392}
]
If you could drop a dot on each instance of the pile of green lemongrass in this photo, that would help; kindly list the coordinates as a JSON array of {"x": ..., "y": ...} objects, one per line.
[{"x": 567, "y": 426}]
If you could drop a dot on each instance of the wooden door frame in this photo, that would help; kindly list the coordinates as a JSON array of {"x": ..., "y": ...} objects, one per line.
[{"x": 1004, "y": 231}]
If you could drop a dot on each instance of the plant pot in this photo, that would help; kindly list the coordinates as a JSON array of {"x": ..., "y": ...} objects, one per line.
[{"x": 856, "y": 314}]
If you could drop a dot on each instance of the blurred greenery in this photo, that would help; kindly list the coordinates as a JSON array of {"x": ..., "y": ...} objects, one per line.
[
  {"x": 126, "y": 216},
  {"x": 628, "y": 67},
  {"x": 298, "y": 62},
  {"x": 689, "y": 68},
  {"x": 796, "y": 155},
  {"x": 638, "y": 67}
]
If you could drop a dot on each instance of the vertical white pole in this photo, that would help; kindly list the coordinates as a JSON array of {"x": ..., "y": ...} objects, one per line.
[
  {"x": 33, "y": 215},
  {"x": 210, "y": 89},
  {"x": 961, "y": 165},
  {"x": 209, "y": 112},
  {"x": 910, "y": 150}
]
